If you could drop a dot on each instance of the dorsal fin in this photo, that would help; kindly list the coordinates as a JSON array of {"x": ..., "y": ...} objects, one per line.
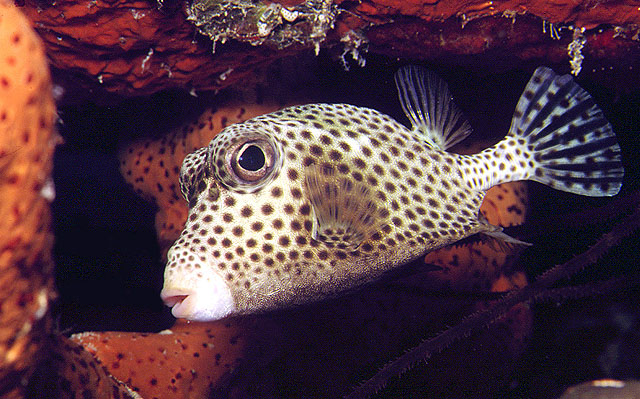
[
  {"x": 428, "y": 103},
  {"x": 346, "y": 211}
]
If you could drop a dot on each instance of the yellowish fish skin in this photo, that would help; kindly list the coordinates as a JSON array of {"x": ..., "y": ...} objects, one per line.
[
  {"x": 309, "y": 201},
  {"x": 269, "y": 257}
]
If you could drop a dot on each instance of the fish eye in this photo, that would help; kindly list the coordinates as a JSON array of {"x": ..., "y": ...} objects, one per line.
[
  {"x": 252, "y": 158},
  {"x": 252, "y": 161}
]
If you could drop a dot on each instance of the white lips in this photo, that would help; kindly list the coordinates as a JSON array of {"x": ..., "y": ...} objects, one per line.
[{"x": 209, "y": 300}]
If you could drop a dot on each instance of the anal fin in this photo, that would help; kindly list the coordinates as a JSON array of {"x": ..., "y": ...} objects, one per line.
[
  {"x": 495, "y": 237},
  {"x": 503, "y": 240}
]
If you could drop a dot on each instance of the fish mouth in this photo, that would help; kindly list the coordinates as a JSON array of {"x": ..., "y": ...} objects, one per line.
[
  {"x": 182, "y": 303},
  {"x": 207, "y": 304},
  {"x": 173, "y": 298}
]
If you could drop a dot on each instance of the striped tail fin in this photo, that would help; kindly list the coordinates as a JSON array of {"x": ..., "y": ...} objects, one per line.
[
  {"x": 575, "y": 149},
  {"x": 558, "y": 137}
]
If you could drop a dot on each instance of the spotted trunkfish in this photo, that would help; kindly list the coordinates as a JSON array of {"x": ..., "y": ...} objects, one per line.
[{"x": 310, "y": 201}]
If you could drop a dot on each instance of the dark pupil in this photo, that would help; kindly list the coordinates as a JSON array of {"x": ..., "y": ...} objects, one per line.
[{"x": 252, "y": 158}]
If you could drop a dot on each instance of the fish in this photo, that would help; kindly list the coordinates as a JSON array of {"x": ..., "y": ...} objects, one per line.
[{"x": 316, "y": 200}]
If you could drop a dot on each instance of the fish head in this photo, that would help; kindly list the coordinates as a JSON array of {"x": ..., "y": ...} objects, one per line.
[{"x": 248, "y": 237}]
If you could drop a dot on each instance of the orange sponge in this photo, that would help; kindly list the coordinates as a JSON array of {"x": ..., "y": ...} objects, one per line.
[
  {"x": 27, "y": 141},
  {"x": 187, "y": 361}
]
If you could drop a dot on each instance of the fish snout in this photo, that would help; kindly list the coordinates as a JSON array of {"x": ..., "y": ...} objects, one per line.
[
  {"x": 199, "y": 304},
  {"x": 206, "y": 298}
]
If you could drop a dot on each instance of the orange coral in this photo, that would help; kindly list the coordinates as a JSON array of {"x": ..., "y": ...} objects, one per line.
[
  {"x": 186, "y": 361},
  {"x": 71, "y": 372},
  {"x": 131, "y": 47},
  {"x": 27, "y": 140}
]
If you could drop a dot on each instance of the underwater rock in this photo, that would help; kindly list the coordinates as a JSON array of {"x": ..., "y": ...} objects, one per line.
[
  {"x": 133, "y": 48},
  {"x": 260, "y": 22},
  {"x": 27, "y": 140},
  {"x": 136, "y": 47},
  {"x": 603, "y": 389}
]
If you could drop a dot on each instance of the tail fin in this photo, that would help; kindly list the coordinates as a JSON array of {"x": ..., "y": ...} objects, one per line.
[
  {"x": 558, "y": 137},
  {"x": 575, "y": 149}
]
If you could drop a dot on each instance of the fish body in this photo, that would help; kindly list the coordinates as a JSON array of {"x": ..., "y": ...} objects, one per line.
[{"x": 312, "y": 200}]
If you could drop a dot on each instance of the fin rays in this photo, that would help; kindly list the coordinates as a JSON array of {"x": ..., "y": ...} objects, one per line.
[
  {"x": 346, "y": 213},
  {"x": 539, "y": 114},
  {"x": 573, "y": 132},
  {"x": 427, "y": 102},
  {"x": 586, "y": 167},
  {"x": 573, "y": 145},
  {"x": 593, "y": 148}
]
